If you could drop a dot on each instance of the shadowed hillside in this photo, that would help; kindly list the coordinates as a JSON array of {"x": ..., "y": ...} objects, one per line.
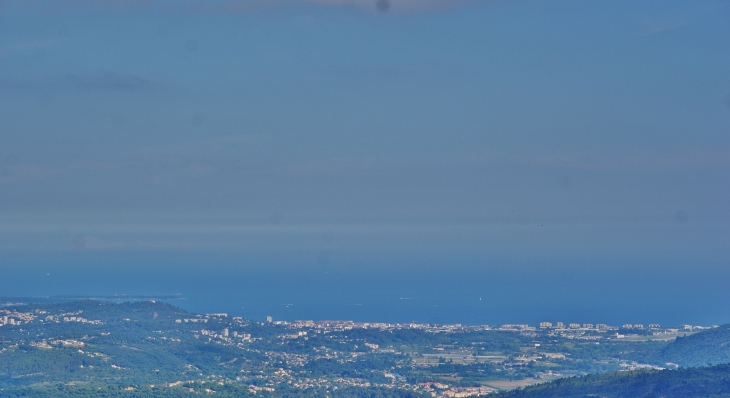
[{"x": 682, "y": 383}]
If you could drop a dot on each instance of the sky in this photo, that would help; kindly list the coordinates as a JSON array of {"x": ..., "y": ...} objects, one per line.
[{"x": 354, "y": 133}]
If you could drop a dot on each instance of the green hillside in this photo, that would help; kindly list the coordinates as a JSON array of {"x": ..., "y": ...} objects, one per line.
[
  {"x": 682, "y": 383},
  {"x": 709, "y": 347}
]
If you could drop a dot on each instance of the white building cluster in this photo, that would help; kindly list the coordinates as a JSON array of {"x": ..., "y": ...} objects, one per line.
[{"x": 14, "y": 318}]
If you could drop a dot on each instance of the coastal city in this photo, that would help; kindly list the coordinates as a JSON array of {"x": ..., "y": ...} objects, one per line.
[{"x": 444, "y": 360}]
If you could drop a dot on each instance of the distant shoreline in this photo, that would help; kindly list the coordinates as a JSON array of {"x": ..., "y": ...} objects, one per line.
[{"x": 6, "y": 301}]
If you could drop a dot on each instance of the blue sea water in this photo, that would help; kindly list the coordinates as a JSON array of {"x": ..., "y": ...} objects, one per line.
[{"x": 466, "y": 292}]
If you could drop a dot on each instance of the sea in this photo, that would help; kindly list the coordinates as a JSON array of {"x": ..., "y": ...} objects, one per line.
[{"x": 380, "y": 289}]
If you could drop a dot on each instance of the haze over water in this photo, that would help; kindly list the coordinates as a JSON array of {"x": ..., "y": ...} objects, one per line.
[{"x": 439, "y": 161}]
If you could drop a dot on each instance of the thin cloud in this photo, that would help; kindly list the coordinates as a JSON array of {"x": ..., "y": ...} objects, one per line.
[
  {"x": 105, "y": 82},
  {"x": 655, "y": 28},
  {"x": 87, "y": 242},
  {"x": 687, "y": 159},
  {"x": 24, "y": 172},
  {"x": 15, "y": 173},
  {"x": 393, "y": 5},
  {"x": 244, "y": 6},
  {"x": 29, "y": 46}
]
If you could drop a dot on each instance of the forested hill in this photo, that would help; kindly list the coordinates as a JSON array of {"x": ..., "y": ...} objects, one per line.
[
  {"x": 705, "y": 348},
  {"x": 683, "y": 383},
  {"x": 709, "y": 347}
]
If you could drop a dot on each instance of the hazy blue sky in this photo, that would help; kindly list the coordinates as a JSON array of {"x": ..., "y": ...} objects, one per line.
[{"x": 535, "y": 131}]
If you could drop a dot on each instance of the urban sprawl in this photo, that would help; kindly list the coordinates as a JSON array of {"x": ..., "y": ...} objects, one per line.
[{"x": 445, "y": 360}]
